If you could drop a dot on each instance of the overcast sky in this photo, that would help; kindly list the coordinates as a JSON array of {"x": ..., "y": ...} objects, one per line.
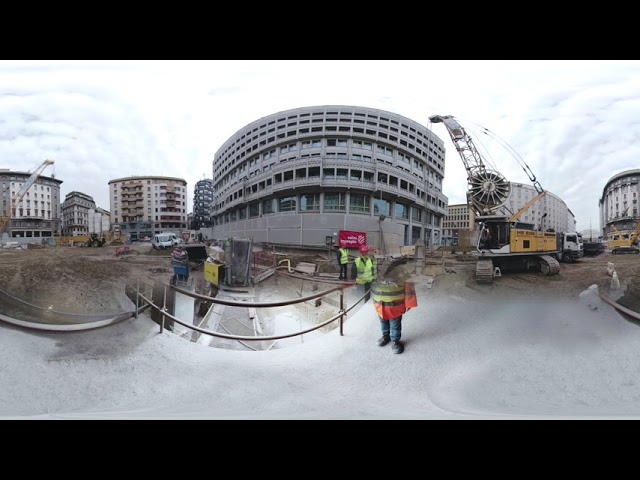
[{"x": 573, "y": 123}]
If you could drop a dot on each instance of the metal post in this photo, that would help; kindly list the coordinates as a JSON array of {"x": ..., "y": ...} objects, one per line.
[
  {"x": 164, "y": 308},
  {"x": 137, "y": 296},
  {"x": 342, "y": 310}
]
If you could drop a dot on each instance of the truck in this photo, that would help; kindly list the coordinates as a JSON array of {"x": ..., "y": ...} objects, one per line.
[
  {"x": 503, "y": 241},
  {"x": 164, "y": 240},
  {"x": 570, "y": 247}
]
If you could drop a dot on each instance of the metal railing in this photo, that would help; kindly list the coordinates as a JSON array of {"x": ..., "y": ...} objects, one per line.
[
  {"x": 163, "y": 311},
  {"x": 86, "y": 321}
]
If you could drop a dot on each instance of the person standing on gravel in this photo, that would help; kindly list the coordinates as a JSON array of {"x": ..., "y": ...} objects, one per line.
[
  {"x": 391, "y": 301},
  {"x": 343, "y": 261},
  {"x": 362, "y": 271}
]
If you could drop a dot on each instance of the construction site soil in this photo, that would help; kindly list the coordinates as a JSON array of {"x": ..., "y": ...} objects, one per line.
[{"x": 92, "y": 280}]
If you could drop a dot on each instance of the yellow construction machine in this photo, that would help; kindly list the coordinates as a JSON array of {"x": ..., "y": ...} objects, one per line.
[
  {"x": 503, "y": 241},
  {"x": 624, "y": 242}
]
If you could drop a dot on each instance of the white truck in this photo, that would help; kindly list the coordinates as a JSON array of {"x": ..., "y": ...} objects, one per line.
[
  {"x": 570, "y": 247},
  {"x": 164, "y": 240}
]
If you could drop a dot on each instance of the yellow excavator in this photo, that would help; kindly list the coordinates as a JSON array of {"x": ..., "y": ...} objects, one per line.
[
  {"x": 96, "y": 240},
  {"x": 624, "y": 242},
  {"x": 503, "y": 243}
]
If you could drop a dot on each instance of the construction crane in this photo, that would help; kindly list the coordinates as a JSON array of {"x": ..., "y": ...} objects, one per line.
[
  {"x": 502, "y": 242},
  {"x": 17, "y": 197}
]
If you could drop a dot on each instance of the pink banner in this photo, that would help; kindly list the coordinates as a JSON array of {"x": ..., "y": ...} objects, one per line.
[{"x": 351, "y": 239}]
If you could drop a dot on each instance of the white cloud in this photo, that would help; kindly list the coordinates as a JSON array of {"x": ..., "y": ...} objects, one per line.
[{"x": 572, "y": 122}]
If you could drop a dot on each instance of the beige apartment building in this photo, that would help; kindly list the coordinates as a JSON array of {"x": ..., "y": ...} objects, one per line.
[{"x": 143, "y": 206}]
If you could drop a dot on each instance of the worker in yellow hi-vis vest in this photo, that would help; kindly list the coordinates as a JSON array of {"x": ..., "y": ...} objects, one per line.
[
  {"x": 362, "y": 271},
  {"x": 391, "y": 301},
  {"x": 343, "y": 261}
]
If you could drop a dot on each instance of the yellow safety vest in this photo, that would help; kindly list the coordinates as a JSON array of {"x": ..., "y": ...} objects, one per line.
[
  {"x": 388, "y": 300},
  {"x": 364, "y": 270},
  {"x": 374, "y": 267},
  {"x": 391, "y": 300},
  {"x": 344, "y": 255}
]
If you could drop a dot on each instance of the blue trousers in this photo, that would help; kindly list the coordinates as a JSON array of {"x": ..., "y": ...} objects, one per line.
[
  {"x": 343, "y": 270},
  {"x": 392, "y": 327}
]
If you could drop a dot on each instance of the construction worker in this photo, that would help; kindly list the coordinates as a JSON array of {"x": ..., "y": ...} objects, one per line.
[
  {"x": 343, "y": 260},
  {"x": 391, "y": 301},
  {"x": 362, "y": 271},
  {"x": 374, "y": 262}
]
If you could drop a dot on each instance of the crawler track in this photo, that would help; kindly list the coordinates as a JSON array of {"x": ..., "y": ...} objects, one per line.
[
  {"x": 484, "y": 271},
  {"x": 549, "y": 265}
]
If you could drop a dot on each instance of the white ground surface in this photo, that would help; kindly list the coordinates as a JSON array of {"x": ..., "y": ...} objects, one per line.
[{"x": 465, "y": 358}]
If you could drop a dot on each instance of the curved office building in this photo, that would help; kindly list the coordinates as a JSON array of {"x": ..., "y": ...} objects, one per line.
[
  {"x": 306, "y": 177},
  {"x": 619, "y": 202}
]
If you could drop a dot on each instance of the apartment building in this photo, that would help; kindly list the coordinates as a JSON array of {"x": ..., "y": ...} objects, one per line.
[
  {"x": 38, "y": 213},
  {"x": 143, "y": 206},
  {"x": 202, "y": 204}
]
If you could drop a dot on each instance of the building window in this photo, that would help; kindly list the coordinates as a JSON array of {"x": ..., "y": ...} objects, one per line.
[
  {"x": 254, "y": 210},
  {"x": 381, "y": 207},
  {"x": 359, "y": 203},
  {"x": 310, "y": 202},
  {"x": 416, "y": 214},
  {"x": 287, "y": 204},
  {"x": 401, "y": 211},
  {"x": 335, "y": 202},
  {"x": 267, "y": 207}
]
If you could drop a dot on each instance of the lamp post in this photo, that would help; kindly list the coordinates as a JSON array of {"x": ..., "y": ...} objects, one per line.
[{"x": 383, "y": 247}]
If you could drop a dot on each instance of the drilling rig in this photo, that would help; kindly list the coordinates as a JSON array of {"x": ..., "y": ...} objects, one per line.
[{"x": 503, "y": 242}]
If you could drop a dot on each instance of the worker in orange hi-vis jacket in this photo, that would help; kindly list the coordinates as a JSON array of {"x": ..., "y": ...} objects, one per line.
[{"x": 391, "y": 301}]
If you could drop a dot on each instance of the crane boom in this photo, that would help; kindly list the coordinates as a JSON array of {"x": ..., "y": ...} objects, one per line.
[
  {"x": 488, "y": 190},
  {"x": 515, "y": 216},
  {"x": 19, "y": 195}
]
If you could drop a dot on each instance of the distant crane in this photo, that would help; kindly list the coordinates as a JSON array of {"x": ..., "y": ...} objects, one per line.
[{"x": 17, "y": 197}]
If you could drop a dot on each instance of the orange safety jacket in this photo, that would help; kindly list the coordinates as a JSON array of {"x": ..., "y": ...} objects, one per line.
[
  {"x": 391, "y": 300},
  {"x": 410, "y": 299}
]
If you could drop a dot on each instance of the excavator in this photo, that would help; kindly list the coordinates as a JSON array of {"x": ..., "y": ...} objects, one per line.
[
  {"x": 17, "y": 197},
  {"x": 96, "y": 240},
  {"x": 503, "y": 243},
  {"x": 624, "y": 242}
]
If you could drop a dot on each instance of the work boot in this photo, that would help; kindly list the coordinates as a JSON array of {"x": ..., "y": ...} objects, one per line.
[
  {"x": 397, "y": 347},
  {"x": 383, "y": 340}
]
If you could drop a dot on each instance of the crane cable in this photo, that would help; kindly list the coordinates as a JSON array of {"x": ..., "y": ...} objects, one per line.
[{"x": 514, "y": 153}]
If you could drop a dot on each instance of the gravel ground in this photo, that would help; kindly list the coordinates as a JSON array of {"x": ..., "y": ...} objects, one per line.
[{"x": 91, "y": 280}]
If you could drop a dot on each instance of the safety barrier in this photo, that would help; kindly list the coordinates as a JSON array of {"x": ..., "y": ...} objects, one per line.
[
  {"x": 143, "y": 302},
  {"x": 163, "y": 311}
]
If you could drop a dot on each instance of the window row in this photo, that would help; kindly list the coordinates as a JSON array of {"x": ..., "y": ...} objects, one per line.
[{"x": 328, "y": 202}]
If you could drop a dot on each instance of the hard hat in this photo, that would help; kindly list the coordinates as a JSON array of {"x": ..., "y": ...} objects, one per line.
[{"x": 364, "y": 249}]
